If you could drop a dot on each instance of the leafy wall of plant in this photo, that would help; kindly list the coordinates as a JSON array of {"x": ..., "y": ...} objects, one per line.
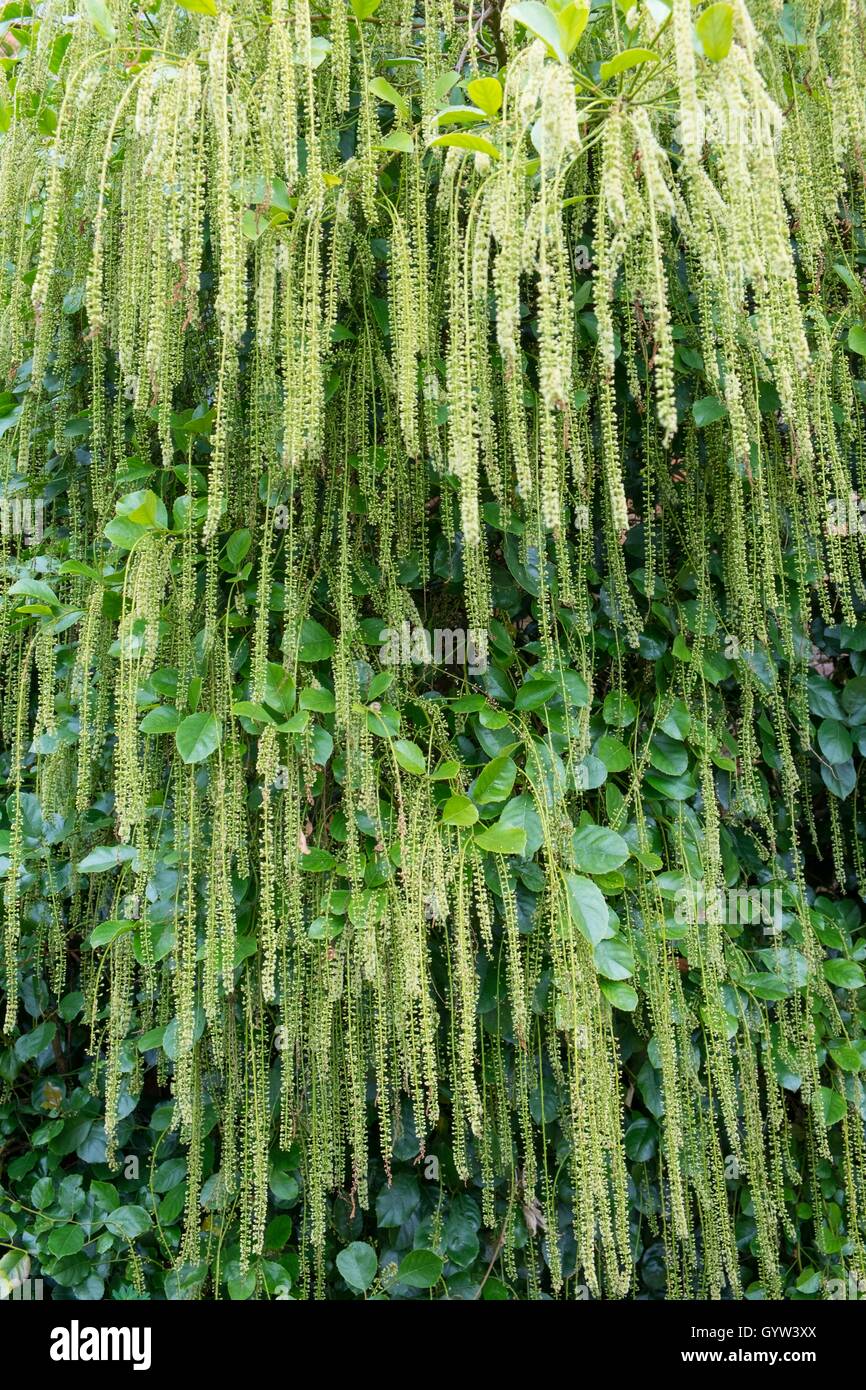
[{"x": 543, "y": 322}]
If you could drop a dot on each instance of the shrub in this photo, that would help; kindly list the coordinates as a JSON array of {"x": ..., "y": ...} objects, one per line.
[{"x": 433, "y": 656}]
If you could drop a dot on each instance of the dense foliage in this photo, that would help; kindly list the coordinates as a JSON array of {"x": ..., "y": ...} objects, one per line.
[{"x": 340, "y": 957}]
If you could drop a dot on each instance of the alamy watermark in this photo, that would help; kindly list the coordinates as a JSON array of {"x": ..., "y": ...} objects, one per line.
[
  {"x": 730, "y": 907},
  {"x": 846, "y": 516},
  {"x": 731, "y": 126},
  {"x": 23, "y": 516},
  {"x": 16, "y": 1282},
  {"x": 444, "y": 646},
  {"x": 77, "y": 1343},
  {"x": 853, "y": 1286}
]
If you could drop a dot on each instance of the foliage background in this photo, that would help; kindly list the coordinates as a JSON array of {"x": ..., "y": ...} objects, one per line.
[{"x": 94, "y": 1228}]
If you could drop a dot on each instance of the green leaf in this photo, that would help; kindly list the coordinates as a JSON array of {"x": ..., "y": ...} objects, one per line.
[
  {"x": 765, "y": 984},
  {"x": 237, "y": 547},
  {"x": 97, "y": 13},
  {"x": 536, "y": 692},
  {"x": 844, "y": 974},
  {"x": 106, "y": 932},
  {"x": 124, "y": 533},
  {"x": 161, "y": 940},
  {"x": 520, "y": 811},
  {"x": 486, "y": 93},
  {"x": 279, "y": 688},
  {"x": 106, "y": 857},
  {"x": 363, "y": 9},
  {"x": 397, "y": 1202},
  {"x": 242, "y": 1287},
  {"x": 128, "y": 1221},
  {"x": 35, "y": 588},
  {"x": 502, "y": 839},
  {"x": 162, "y": 720},
  {"x": 707, "y": 410},
  {"x": 465, "y": 140},
  {"x": 641, "y": 1139},
  {"x": 850, "y": 279},
  {"x": 278, "y": 1232},
  {"x": 199, "y": 6},
  {"x": 587, "y": 908},
  {"x": 598, "y": 849},
  {"x": 846, "y": 1056},
  {"x": 469, "y": 704},
  {"x": 29, "y": 1045},
  {"x": 317, "y": 644},
  {"x": 620, "y": 995},
  {"x": 629, "y": 58},
  {"x": 65, "y": 1241},
  {"x": 619, "y": 709},
  {"x": 9, "y": 419},
  {"x": 444, "y": 84},
  {"x": 857, "y": 339},
  {"x": 79, "y": 567},
  {"x": 794, "y": 24},
  {"x": 459, "y": 810},
  {"x": 839, "y": 778},
  {"x": 833, "y": 1105},
  {"x": 71, "y": 1005},
  {"x": 677, "y": 722},
  {"x": 460, "y": 115},
  {"x": 854, "y": 700},
  {"x": 148, "y": 1042},
  {"x": 420, "y": 1269},
  {"x": 318, "y": 699},
  {"x": 399, "y": 140},
  {"x": 379, "y": 684},
  {"x": 317, "y": 861},
  {"x": 541, "y": 22},
  {"x": 613, "y": 958},
  {"x": 808, "y": 1281},
  {"x": 445, "y": 771},
  {"x": 358, "y": 1264},
  {"x": 201, "y": 419},
  {"x": 197, "y": 737},
  {"x": 320, "y": 47},
  {"x": 572, "y": 20},
  {"x": 494, "y": 781},
  {"x": 834, "y": 741},
  {"x": 409, "y": 756},
  {"x": 715, "y": 29},
  {"x": 249, "y": 709},
  {"x": 381, "y": 88},
  {"x": 668, "y": 755},
  {"x": 143, "y": 508},
  {"x": 613, "y": 753}
]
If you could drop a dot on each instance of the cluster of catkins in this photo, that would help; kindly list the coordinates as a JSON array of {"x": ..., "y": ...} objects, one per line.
[{"x": 274, "y": 328}]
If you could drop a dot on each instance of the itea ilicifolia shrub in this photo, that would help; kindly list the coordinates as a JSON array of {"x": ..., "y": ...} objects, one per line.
[{"x": 544, "y": 323}]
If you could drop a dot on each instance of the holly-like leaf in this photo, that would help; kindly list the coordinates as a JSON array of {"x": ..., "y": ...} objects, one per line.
[
  {"x": 598, "y": 850},
  {"x": 358, "y": 1264},
  {"x": 486, "y": 93},
  {"x": 715, "y": 29},
  {"x": 465, "y": 140},
  {"x": 197, "y": 737},
  {"x": 628, "y": 58},
  {"x": 409, "y": 756},
  {"x": 502, "y": 839},
  {"x": 459, "y": 810},
  {"x": 541, "y": 22}
]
